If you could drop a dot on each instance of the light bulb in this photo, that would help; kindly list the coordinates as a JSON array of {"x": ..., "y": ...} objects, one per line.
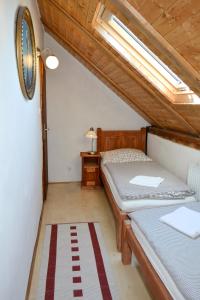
[{"x": 52, "y": 62}]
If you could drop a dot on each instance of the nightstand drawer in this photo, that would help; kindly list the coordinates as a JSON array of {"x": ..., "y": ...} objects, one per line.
[
  {"x": 90, "y": 176},
  {"x": 90, "y": 183}
]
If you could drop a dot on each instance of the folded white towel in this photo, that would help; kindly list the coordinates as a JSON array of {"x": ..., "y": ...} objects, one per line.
[
  {"x": 184, "y": 220},
  {"x": 147, "y": 181}
]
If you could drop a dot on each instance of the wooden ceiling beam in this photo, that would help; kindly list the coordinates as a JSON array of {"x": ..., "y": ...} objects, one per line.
[
  {"x": 97, "y": 72},
  {"x": 132, "y": 72},
  {"x": 178, "y": 115},
  {"x": 180, "y": 138}
]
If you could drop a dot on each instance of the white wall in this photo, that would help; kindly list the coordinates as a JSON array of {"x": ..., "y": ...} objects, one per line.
[
  {"x": 77, "y": 100},
  {"x": 20, "y": 160},
  {"x": 175, "y": 157}
]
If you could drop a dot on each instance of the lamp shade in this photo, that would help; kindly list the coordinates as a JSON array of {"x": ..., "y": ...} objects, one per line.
[
  {"x": 49, "y": 58},
  {"x": 52, "y": 62},
  {"x": 91, "y": 134}
]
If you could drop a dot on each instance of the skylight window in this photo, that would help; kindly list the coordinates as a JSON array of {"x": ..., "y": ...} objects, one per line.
[
  {"x": 147, "y": 53},
  {"x": 142, "y": 58}
]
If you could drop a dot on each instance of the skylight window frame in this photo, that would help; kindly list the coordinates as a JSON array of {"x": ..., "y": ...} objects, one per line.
[
  {"x": 150, "y": 56},
  {"x": 177, "y": 95}
]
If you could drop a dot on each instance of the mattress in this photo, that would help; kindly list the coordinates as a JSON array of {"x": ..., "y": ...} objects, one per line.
[
  {"x": 133, "y": 205},
  {"x": 170, "y": 188},
  {"x": 174, "y": 256}
]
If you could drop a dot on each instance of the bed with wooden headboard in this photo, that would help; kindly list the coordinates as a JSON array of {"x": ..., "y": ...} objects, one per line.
[{"x": 116, "y": 139}]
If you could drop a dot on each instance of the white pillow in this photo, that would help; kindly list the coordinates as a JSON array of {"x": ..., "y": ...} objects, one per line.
[{"x": 123, "y": 155}]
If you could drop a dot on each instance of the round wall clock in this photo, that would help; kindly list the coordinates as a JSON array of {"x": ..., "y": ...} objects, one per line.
[{"x": 26, "y": 52}]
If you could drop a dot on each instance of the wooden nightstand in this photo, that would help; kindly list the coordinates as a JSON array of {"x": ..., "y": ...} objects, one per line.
[{"x": 90, "y": 170}]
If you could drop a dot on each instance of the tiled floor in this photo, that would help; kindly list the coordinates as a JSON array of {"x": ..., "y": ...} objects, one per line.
[{"x": 69, "y": 203}]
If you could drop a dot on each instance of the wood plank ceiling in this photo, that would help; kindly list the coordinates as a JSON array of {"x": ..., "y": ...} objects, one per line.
[{"x": 176, "y": 41}]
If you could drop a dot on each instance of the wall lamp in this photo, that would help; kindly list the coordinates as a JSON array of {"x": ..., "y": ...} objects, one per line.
[{"x": 49, "y": 58}]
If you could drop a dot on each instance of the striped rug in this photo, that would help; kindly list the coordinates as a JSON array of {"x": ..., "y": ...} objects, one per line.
[{"x": 75, "y": 264}]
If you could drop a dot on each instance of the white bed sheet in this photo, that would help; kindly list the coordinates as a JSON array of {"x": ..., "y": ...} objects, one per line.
[
  {"x": 133, "y": 205},
  {"x": 157, "y": 264}
]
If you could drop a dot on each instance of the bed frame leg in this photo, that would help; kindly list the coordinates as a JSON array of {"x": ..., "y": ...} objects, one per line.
[
  {"x": 126, "y": 254},
  {"x": 126, "y": 250},
  {"x": 119, "y": 236},
  {"x": 119, "y": 230}
]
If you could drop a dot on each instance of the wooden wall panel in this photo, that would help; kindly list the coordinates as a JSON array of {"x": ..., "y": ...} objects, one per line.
[
  {"x": 156, "y": 7},
  {"x": 177, "y": 21},
  {"x": 156, "y": 42},
  {"x": 175, "y": 15},
  {"x": 192, "y": 114}
]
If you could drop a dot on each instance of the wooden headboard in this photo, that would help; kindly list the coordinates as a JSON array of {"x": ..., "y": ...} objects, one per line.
[{"x": 115, "y": 139}]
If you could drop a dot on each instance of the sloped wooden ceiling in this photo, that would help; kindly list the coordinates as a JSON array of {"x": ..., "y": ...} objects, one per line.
[{"x": 176, "y": 42}]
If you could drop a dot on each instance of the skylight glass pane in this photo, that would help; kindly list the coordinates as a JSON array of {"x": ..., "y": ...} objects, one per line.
[{"x": 143, "y": 50}]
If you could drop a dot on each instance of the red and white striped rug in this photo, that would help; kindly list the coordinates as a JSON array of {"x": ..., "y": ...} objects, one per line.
[{"x": 75, "y": 264}]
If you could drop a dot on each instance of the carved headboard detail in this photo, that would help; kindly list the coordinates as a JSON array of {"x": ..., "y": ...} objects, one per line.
[{"x": 115, "y": 139}]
